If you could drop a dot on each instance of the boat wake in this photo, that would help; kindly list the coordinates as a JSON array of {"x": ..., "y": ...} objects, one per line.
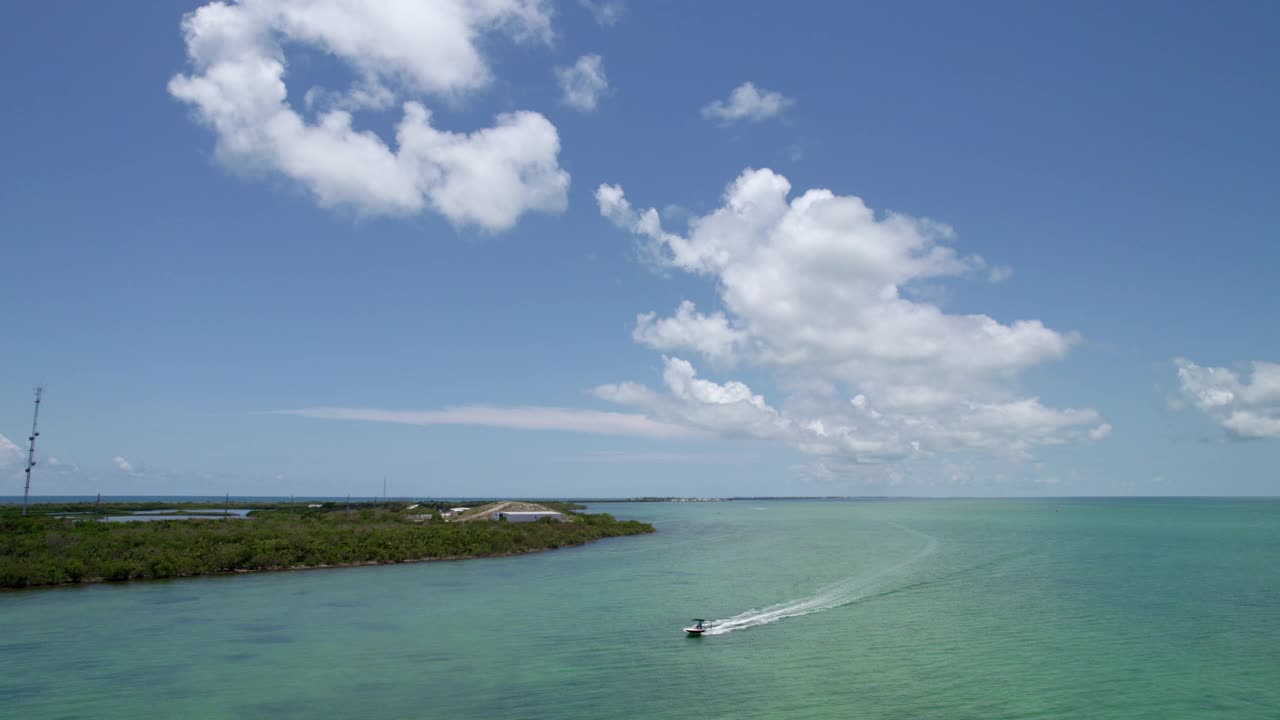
[{"x": 834, "y": 596}]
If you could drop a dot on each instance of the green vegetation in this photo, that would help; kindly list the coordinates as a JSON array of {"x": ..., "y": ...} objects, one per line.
[
  {"x": 126, "y": 508},
  {"x": 45, "y": 550}
]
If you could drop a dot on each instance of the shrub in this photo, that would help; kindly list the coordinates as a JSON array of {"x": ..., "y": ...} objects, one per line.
[{"x": 45, "y": 550}]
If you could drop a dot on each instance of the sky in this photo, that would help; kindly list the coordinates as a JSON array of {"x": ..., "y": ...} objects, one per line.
[{"x": 606, "y": 248}]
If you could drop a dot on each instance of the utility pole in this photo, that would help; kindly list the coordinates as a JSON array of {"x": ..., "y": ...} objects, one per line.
[{"x": 31, "y": 449}]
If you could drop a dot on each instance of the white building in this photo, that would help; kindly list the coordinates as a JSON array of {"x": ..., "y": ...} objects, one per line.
[{"x": 526, "y": 516}]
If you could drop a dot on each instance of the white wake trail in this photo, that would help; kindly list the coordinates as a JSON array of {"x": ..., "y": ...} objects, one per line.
[{"x": 842, "y": 593}]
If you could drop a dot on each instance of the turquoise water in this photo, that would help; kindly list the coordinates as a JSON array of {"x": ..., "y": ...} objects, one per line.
[{"x": 827, "y": 609}]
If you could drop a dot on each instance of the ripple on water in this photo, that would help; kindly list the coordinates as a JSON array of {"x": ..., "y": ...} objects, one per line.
[
  {"x": 1122, "y": 612},
  {"x": 298, "y": 708},
  {"x": 270, "y": 639},
  {"x": 255, "y": 627},
  {"x": 344, "y": 604},
  {"x": 265, "y": 633},
  {"x": 425, "y": 657},
  {"x": 14, "y": 693},
  {"x": 18, "y": 648},
  {"x": 193, "y": 620},
  {"x": 164, "y": 598}
]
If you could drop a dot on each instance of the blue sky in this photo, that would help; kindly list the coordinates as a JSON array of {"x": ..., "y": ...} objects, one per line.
[{"x": 288, "y": 249}]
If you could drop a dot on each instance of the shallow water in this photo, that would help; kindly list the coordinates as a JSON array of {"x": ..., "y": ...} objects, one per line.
[{"x": 842, "y": 609}]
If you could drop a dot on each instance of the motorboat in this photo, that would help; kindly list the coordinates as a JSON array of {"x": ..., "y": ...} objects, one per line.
[{"x": 698, "y": 627}]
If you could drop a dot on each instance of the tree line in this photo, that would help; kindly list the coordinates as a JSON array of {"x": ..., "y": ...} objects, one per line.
[{"x": 46, "y": 550}]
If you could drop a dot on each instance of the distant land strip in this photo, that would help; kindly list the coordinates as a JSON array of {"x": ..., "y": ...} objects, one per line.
[{"x": 69, "y": 543}]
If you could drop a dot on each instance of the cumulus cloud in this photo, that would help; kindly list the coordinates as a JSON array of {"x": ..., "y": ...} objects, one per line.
[
  {"x": 10, "y": 454},
  {"x": 583, "y": 83},
  {"x": 1246, "y": 403},
  {"x": 606, "y": 12},
  {"x": 125, "y": 466},
  {"x": 487, "y": 177},
  {"x": 729, "y": 409},
  {"x": 516, "y": 418},
  {"x": 711, "y": 335},
  {"x": 748, "y": 103},
  {"x": 812, "y": 289}
]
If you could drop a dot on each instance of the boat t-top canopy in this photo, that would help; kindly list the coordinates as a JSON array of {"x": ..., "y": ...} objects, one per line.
[{"x": 700, "y": 625}]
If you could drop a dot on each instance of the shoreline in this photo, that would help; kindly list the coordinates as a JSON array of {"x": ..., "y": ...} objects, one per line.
[
  {"x": 84, "y": 582},
  {"x": 50, "y": 550}
]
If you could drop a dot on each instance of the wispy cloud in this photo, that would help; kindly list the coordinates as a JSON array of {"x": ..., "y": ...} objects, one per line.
[
  {"x": 747, "y": 102},
  {"x": 606, "y": 12},
  {"x": 58, "y": 465},
  {"x": 627, "y": 456},
  {"x": 514, "y": 418},
  {"x": 583, "y": 83},
  {"x": 126, "y": 467},
  {"x": 999, "y": 274}
]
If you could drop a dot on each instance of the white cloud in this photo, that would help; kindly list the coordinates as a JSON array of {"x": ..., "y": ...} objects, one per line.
[
  {"x": 125, "y": 466},
  {"x": 10, "y": 454},
  {"x": 812, "y": 289},
  {"x": 488, "y": 177},
  {"x": 711, "y": 335},
  {"x": 731, "y": 409},
  {"x": 1245, "y": 407},
  {"x": 746, "y": 102},
  {"x": 999, "y": 274},
  {"x": 584, "y": 83},
  {"x": 61, "y": 467},
  {"x": 50, "y": 474},
  {"x": 516, "y": 418},
  {"x": 818, "y": 280},
  {"x": 614, "y": 206},
  {"x": 629, "y": 457},
  {"x": 606, "y": 12}
]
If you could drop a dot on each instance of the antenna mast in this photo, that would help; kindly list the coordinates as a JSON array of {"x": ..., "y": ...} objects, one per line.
[{"x": 31, "y": 449}]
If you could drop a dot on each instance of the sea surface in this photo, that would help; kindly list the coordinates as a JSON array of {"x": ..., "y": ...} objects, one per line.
[{"x": 947, "y": 609}]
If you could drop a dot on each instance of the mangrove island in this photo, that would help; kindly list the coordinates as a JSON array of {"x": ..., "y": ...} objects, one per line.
[{"x": 57, "y": 544}]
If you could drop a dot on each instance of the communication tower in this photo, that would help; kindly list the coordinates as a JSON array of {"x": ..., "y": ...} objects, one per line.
[{"x": 31, "y": 449}]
